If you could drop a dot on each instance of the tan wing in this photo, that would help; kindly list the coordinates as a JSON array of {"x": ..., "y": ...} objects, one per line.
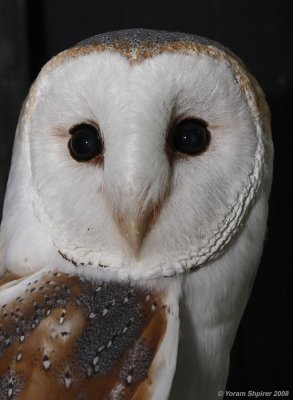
[{"x": 62, "y": 337}]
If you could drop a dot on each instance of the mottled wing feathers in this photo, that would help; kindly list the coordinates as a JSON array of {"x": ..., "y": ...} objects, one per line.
[{"x": 62, "y": 337}]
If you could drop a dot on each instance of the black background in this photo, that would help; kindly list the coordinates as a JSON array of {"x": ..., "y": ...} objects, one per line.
[{"x": 260, "y": 32}]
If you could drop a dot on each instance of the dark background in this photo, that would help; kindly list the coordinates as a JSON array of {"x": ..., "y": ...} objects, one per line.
[{"x": 260, "y": 32}]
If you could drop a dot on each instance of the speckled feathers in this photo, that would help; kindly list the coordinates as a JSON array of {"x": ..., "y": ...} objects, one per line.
[{"x": 63, "y": 337}]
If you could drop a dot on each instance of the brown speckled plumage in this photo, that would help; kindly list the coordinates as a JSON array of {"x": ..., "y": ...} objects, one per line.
[{"x": 63, "y": 337}]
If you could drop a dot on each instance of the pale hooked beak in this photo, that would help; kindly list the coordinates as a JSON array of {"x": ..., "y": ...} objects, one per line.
[{"x": 134, "y": 230}]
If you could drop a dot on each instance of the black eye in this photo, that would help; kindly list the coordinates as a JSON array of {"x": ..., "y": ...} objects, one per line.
[
  {"x": 85, "y": 142},
  {"x": 191, "y": 136}
]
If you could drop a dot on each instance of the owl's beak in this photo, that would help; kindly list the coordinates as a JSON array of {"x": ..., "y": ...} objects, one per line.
[{"x": 134, "y": 230}]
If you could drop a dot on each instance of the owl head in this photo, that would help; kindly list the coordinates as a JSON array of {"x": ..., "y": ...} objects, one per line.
[{"x": 137, "y": 152}]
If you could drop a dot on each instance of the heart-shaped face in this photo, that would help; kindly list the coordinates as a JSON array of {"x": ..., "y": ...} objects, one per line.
[{"x": 138, "y": 152}]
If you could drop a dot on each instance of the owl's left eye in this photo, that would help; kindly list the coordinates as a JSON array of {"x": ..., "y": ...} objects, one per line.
[
  {"x": 191, "y": 136},
  {"x": 85, "y": 142}
]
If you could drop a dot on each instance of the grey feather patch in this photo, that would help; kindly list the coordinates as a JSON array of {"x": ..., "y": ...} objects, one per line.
[
  {"x": 113, "y": 330},
  {"x": 138, "y": 37},
  {"x": 137, "y": 364},
  {"x": 10, "y": 386}
]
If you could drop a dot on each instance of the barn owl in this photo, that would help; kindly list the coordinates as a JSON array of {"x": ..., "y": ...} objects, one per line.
[{"x": 134, "y": 220}]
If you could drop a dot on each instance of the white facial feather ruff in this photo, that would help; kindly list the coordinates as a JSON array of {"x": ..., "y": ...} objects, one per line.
[{"x": 207, "y": 210}]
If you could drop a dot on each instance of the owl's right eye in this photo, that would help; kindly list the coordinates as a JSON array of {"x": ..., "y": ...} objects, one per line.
[{"x": 85, "y": 142}]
